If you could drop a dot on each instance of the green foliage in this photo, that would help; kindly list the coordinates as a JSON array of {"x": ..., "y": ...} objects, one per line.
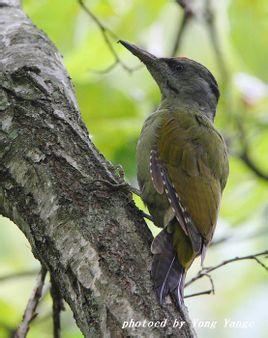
[{"x": 249, "y": 31}]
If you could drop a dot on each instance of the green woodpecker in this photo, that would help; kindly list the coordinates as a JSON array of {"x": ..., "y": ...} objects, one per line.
[{"x": 182, "y": 167}]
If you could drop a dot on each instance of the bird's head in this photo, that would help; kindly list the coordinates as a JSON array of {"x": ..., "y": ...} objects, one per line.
[{"x": 181, "y": 80}]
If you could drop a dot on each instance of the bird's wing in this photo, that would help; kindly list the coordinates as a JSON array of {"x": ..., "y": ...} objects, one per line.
[{"x": 192, "y": 160}]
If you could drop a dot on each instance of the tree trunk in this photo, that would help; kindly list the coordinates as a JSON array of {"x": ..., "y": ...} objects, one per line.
[{"x": 87, "y": 233}]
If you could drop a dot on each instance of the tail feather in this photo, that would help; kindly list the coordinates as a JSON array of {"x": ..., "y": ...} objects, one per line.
[
  {"x": 167, "y": 273},
  {"x": 178, "y": 293}
]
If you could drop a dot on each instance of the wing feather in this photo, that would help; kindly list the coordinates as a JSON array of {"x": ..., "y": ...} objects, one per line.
[
  {"x": 193, "y": 158},
  {"x": 155, "y": 171}
]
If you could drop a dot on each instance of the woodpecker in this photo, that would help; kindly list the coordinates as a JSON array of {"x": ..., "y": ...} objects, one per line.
[{"x": 182, "y": 167}]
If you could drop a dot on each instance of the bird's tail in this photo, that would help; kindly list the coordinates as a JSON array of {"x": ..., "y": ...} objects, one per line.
[{"x": 167, "y": 273}]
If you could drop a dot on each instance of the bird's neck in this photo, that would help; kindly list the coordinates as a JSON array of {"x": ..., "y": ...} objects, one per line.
[{"x": 177, "y": 103}]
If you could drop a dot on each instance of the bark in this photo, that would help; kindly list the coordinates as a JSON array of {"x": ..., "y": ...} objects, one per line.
[{"x": 87, "y": 233}]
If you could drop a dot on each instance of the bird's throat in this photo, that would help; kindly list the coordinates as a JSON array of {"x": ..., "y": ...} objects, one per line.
[{"x": 180, "y": 103}]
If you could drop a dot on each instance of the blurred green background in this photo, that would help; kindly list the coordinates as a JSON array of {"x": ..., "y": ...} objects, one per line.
[{"x": 114, "y": 105}]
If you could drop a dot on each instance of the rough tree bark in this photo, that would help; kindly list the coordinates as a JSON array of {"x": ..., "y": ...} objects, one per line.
[{"x": 89, "y": 235}]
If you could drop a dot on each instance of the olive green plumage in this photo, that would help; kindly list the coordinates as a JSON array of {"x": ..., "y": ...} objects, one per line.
[
  {"x": 194, "y": 154},
  {"x": 182, "y": 167}
]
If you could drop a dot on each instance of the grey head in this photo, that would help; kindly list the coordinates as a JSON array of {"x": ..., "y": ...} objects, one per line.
[{"x": 182, "y": 82}]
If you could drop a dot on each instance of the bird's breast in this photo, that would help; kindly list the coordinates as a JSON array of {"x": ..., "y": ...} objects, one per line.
[{"x": 156, "y": 203}]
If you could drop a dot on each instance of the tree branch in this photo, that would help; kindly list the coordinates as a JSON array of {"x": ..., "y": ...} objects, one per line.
[
  {"x": 57, "y": 306},
  {"x": 206, "y": 271},
  {"x": 94, "y": 242},
  {"x": 212, "y": 30},
  {"x": 187, "y": 15},
  {"x": 105, "y": 31},
  {"x": 30, "y": 311},
  {"x": 15, "y": 275},
  {"x": 202, "y": 293},
  {"x": 244, "y": 155}
]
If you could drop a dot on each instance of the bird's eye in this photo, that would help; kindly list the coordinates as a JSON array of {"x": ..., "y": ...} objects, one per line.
[
  {"x": 179, "y": 68},
  {"x": 175, "y": 65}
]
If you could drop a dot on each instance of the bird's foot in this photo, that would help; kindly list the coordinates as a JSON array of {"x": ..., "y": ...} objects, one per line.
[
  {"x": 110, "y": 184},
  {"x": 115, "y": 185}
]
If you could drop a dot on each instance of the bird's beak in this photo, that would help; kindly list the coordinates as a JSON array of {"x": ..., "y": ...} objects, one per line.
[
  {"x": 155, "y": 65},
  {"x": 147, "y": 58}
]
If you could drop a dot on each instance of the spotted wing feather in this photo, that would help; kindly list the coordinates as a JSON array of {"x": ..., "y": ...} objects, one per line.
[
  {"x": 180, "y": 212},
  {"x": 193, "y": 156},
  {"x": 156, "y": 172}
]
